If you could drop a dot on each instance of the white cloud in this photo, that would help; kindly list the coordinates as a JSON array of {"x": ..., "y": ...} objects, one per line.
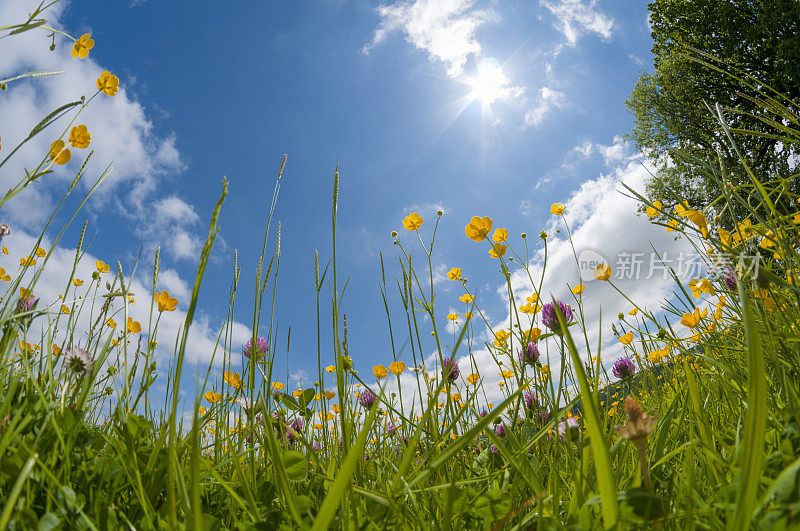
[
  {"x": 577, "y": 17},
  {"x": 170, "y": 280},
  {"x": 614, "y": 153},
  {"x": 445, "y": 29},
  {"x": 549, "y": 99}
]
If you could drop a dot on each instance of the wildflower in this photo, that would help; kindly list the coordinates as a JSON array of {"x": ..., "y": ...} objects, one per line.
[
  {"x": 450, "y": 370},
  {"x": 452, "y": 316},
  {"x": 111, "y": 323},
  {"x": 530, "y": 400},
  {"x": 397, "y": 367},
  {"x": 500, "y": 430},
  {"x": 58, "y": 153},
  {"x": 455, "y": 397},
  {"x": 533, "y": 334},
  {"x": 478, "y": 228},
  {"x": 634, "y": 311},
  {"x": 78, "y": 361},
  {"x": 557, "y": 209},
  {"x": 624, "y": 368},
  {"x": 335, "y": 408},
  {"x": 652, "y": 211},
  {"x": 5, "y": 277},
  {"x": 550, "y": 318},
  {"x": 259, "y": 349},
  {"x": 701, "y": 286},
  {"x": 505, "y": 374},
  {"x": 367, "y": 399},
  {"x": 79, "y": 137},
  {"x": 603, "y": 272},
  {"x": 693, "y": 319},
  {"x": 626, "y": 339},
  {"x": 294, "y": 429},
  {"x": 26, "y": 304},
  {"x": 101, "y": 266},
  {"x": 466, "y": 298},
  {"x": 41, "y": 253},
  {"x": 730, "y": 279},
  {"x": 278, "y": 386},
  {"x": 637, "y": 427},
  {"x": 56, "y": 350},
  {"x": 27, "y": 261},
  {"x": 530, "y": 355},
  {"x": 379, "y": 371},
  {"x": 77, "y": 282},
  {"x": 108, "y": 83},
  {"x": 82, "y": 46},
  {"x": 331, "y": 369},
  {"x": 413, "y": 221},
  {"x": 454, "y": 273},
  {"x": 500, "y": 235},
  {"x": 569, "y": 428},
  {"x": 497, "y": 250},
  {"x": 468, "y": 315},
  {"x": 577, "y": 290},
  {"x": 473, "y": 378},
  {"x": 134, "y": 327},
  {"x": 329, "y": 394},
  {"x": 234, "y": 379}
]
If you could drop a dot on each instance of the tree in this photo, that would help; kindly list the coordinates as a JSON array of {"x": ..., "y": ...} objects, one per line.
[{"x": 753, "y": 39}]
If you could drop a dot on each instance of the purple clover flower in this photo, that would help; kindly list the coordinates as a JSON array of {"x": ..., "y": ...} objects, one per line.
[
  {"x": 450, "y": 370},
  {"x": 500, "y": 430},
  {"x": 530, "y": 400},
  {"x": 550, "y": 318},
  {"x": 483, "y": 413},
  {"x": 260, "y": 349},
  {"x": 294, "y": 430},
  {"x": 316, "y": 447},
  {"x": 530, "y": 355},
  {"x": 730, "y": 279},
  {"x": 624, "y": 368},
  {"x": 367, "y": 399},
  {"x": 391, "y": 429}
]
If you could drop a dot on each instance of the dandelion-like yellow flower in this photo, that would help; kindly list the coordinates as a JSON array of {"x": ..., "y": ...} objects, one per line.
[
  {"x": 297, "y": 393},
  {"x": 413, "y": 221},
  {"x": 108, "y": 83},
  {"x": 79, "y": 137},
  {"x": 165, "y": 303},
  {"x": 82, "y": 46},
  {"x": 473, "y": 378},
  {"x": 452, "y": 316},
  {"x": 397, "y": 367},
  {"x": 603, "y": 272},
  {"x": 454, "y": 273},
  {"x": 557, "y": 209},
  {"x": 379, "y": 371},
  {"x": 59, "y": 153},
  {"x": 467, "y": 298},
  {"x": 134, "y": 327},
  {"x": 478, "y": 228}
]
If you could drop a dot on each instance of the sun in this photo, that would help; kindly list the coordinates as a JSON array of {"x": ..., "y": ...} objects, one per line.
[{"x": 489, "y": 83}]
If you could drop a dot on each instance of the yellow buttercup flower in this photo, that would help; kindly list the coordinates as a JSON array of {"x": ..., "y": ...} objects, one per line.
[
  {"x": 634, "y": 311},
  {"x": 165, "y": 303},
  {"x": 331, "y": 369},
  {"x": 82, "y": 46},
  {"x": 79, "y": 137},
  {"x": 297, "y": 393},
  {"x": 379, "y": 371},
  {"x": 467, "y": 298},
  {"x": 413, "y": 221},
  {"x": 455, "y": 397},
  {"x": 234, "y": 379},
  {"x": 473, "y": 378},
  {"x": 626, "y": 339},
  {"x": 693, "y": 319},
  {"x": 454, "y": 273},
  {"x": 557, "y": 209},
  {"x": 108, "y": 83},
  {"x": 497, "y": 250},
  {"x": 64, "y": 308},
  {"x": 77, "y": 282},
  {"x": 468, "y": 315},
  {"x": 329, "y": 395},
  {"x": 41, "y": 253},
  {"x": 397, "y": 367},
  {"x": 544, "y": 369},
  {"x": 672, "y": 225},
  {"x": 603, "y": 272},
  {"x": 5, "y": 251},
  {"x": 101, "y": 266},
  {"x": 111, "y": 323},
  {"x": 134, "y": 327},
  {"x": 500, "y": 235},
  {"x": 506, "y": 374},
  {"x": 577, "y": 290},
  {"x": 701, "y": 286},
  {"x": 652, "y": 211},
  {"x": 212, "y": 396},
  {"x": 335, "y": 408},
  {"x": 533, "y": 334},
  {"x": 58, "y": 153},
  {"x": 452, "y": 316},
  {"x": 4, "y": 276},
  {"x": 278, "y": 386},
  {"x": 478, "y": 228}
]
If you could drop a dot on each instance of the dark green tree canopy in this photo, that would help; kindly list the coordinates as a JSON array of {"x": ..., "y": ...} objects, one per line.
[{"x": 756, "y": 40}]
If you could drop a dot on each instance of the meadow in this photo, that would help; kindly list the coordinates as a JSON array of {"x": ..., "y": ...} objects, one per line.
[{"x": 695, "y": 426}]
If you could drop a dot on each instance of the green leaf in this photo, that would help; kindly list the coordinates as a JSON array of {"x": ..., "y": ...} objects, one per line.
[{"x": 296, "y": 466}]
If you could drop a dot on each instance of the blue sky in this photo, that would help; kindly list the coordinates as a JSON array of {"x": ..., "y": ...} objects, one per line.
[{"x": 384, "y": 91}]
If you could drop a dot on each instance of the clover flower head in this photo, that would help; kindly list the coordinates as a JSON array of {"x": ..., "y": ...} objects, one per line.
[
  {"x": 260, "y": 349},
  {"x": 78, "y": 361},
  {"x": 730, "y": 278},
  {"x": 367, "y": 399},
  {"x": 316, "y": 447},
  {"x": 500, "y": 430},
  {"x": 531, "y": 401},
  {"x": 26, "y": 304},
  {"x": 624, "y": 368},
  {"x": 450, "y": 370},
  {"x": 550, "y": 317},
  {"x": 530, "y": 355}
]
